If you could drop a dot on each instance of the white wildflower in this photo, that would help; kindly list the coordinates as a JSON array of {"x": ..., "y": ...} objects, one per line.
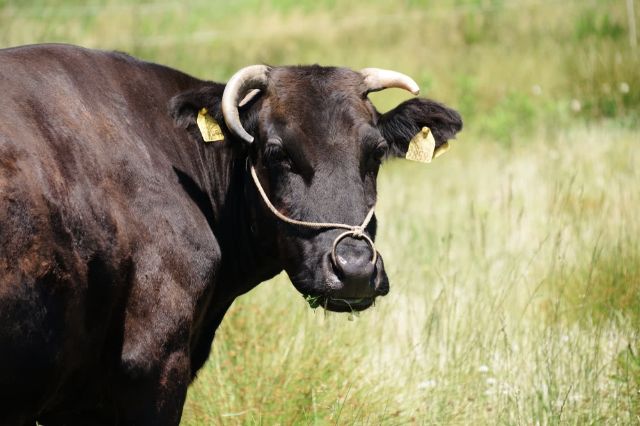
[
  {"x": 483, "y": 369},
  {"x": 576, "y": 105},
  {"x": 623, "y": 87},
  {"x": 427, "y": 384}
]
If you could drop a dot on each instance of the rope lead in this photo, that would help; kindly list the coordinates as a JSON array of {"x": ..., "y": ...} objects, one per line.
[{"x": 356, "y": 231}]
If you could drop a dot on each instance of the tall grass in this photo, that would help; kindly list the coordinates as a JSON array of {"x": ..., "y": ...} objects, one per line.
[
  {"x": 515, "y": 299},
  {"x": 510, "y": 66},
  {"x": 514, "y": 259}
]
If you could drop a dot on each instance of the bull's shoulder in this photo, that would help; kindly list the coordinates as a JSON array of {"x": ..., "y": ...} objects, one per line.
[
  {"x": 90, "y": 133},
  {"x": 90, "y": 117}
]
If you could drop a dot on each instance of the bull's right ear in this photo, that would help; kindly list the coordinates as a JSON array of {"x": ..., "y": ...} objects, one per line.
[
  {"x": 406, "y": 122},
  {"x": 187, "y": 106}
]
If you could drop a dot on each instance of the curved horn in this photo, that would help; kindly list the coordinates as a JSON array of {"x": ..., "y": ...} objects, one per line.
[
  {"x": 247, "y": 78},
  {"x": 378, "y": 79}
]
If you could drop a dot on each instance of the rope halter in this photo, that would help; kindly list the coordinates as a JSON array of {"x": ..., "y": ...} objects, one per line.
[{"x": 356, "y": 231}]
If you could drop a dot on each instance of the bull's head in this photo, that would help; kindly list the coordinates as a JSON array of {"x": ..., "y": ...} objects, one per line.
[{"x": 314, "y": 143}]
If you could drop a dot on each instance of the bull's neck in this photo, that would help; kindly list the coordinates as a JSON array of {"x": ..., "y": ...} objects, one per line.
[{"x": 247, "y": 259}]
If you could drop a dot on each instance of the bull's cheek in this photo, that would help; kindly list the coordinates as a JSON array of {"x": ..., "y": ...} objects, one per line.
[{"x": 311, "y": 275}]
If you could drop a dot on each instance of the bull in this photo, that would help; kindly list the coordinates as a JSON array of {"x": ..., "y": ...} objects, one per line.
[{"x": 138, "y": 202}]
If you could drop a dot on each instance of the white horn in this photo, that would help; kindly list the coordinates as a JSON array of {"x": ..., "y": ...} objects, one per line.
[
  {"x": 378, "y": 79},
  {"x": 246, "y": 79}
]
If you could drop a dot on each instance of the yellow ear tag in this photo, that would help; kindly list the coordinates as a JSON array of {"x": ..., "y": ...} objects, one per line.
[
  {"x": 209, "y": 128},
  {"x": 421, "y": 146}
]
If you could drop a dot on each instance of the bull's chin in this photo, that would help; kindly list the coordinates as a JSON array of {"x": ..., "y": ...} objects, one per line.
[{"x": 337, "y": 304}]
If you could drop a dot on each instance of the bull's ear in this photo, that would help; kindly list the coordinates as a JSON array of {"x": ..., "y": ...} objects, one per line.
[
  {"x": 199, "y": 111},
  {"x": 185, "y": 107},
  {"x": 405, "y": 121}
]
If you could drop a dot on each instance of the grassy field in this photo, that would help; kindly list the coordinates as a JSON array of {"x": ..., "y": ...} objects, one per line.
[
  {"x": 515, "y": 300},
  {"x": 514, "y": 259}
]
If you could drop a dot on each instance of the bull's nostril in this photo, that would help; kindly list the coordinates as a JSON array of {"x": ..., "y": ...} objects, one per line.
[{"x": 354, "y": 262}]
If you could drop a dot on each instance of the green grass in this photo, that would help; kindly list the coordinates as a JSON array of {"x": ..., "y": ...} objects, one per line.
[
  {"x": 514, "y": 259},
  {"x": 515, "y": 299},
  {"x": 510, "y": 66}
]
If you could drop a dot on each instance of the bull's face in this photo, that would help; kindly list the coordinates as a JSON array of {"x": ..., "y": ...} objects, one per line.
[
  {"x": 316, "y": 143},
  {"x": 318, "y": 151}
]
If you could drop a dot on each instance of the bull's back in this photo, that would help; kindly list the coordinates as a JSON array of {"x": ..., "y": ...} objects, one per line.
[
  {"x": 83, "y": 148},
  {"x": 86, "y": 145}
]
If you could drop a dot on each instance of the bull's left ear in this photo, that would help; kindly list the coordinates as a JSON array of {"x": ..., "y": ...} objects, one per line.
[{"x": 400, "y": 125}]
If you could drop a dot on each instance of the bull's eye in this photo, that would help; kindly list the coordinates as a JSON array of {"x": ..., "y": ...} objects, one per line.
[{"x": 274, "y": 153}]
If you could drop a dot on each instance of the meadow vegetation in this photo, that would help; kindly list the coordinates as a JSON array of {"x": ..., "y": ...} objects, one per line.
[{"x": 514, "y": 259}]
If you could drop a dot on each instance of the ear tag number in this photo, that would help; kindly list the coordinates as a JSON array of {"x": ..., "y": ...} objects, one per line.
[
  {"x": 421, "y": 146},
  {"x": 209, "y": 128}
]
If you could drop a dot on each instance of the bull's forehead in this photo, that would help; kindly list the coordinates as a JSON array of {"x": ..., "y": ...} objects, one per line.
[
  {"x": 314, "y": 79},
  {"x": 314, "y": 88},
  {"x": 326, "y": 103}
]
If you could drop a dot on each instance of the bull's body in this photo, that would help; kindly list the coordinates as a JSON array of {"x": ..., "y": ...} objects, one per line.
[
  {"x": 124, "y": 237},
  {"x": 111, "y": 228}
]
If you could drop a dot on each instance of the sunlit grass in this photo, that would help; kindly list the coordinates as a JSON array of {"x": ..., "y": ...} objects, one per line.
[
  {"x": 509, "y": 66},
  {"x": 514, "y": 300},
  {"x": 514, "y": 259}
]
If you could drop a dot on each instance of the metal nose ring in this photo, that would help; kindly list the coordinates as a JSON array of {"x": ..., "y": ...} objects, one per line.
[{"x": 358, "y": 234}]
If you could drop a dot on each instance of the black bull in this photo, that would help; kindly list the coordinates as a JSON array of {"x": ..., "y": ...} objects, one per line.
[{"x": 124, "y": 237}]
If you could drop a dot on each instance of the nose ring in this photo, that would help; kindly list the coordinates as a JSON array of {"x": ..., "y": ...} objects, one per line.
[{"x": 358, "y": 235}]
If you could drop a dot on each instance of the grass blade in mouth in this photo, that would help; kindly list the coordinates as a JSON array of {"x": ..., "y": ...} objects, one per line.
[{"x": 313, "y": 301}]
